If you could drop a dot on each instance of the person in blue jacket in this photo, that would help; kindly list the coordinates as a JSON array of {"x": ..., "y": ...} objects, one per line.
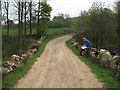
[{"x": 87, "y": 44}]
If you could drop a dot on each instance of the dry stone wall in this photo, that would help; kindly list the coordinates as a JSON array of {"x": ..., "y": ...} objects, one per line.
[{"x": 17, "y": 61}]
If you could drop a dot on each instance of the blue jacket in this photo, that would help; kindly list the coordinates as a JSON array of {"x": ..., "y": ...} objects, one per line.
[{"x": 88, "y": 43}]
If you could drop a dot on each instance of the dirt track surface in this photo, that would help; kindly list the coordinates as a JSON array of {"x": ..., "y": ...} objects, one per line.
[{"x": 59, "y": 67}]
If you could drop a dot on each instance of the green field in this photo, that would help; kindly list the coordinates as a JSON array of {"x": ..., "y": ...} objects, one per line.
[{"x": 14, "y": 32}]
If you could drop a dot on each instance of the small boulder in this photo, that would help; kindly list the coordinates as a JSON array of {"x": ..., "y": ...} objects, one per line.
[
  {"x": 35, "y": 46},
  {"x": 15, "y": 57},
  {"x": 76, "y": 45},
  {"x": 105, "y": 58},
  {"x": 29, "y": 55},
  {"x": 3, "y": 70},
  {"x": 24, "y": 57},
  {"x": 93, "y": 49},
  {"x": 115, "y": 63},
  {"x": 34, "y": 50},
  {"x": 39, "y": 42},
  {"x": 72, "y": 41},
  {"x": 42, "y": 38},
  {"x": 95, "y": 58}
]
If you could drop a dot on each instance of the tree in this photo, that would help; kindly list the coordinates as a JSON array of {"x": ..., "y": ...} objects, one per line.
[
  {"x": 11, "y": 23},
  {"x": 7, "y": 14},
  {"x": 30, "y": 11},
  {"x": 0, "y": 9},
  {"x": 66, "y": 16},
  {"x": 60, "y": 21},
  {"x": 38, "y": 17},
  {"x": 19, "y": 19},
  {"x": 1, "y": 35},
  {"x": 67, "y": 20},
  {"x": 60, "y": 17},
  {"x": 43, "y": 14},
  {"x": 98, "y": 25},
  {"x": 22, "y": 7},
  {"x": 0, "y": 14},
  {"x": 118, "y": 29},
  {"x": 25, "y": 14},
  {"x": 57, "y": 22}
]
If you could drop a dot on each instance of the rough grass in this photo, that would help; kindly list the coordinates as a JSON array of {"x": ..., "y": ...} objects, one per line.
[
  {"x": 103, "y": 75},
  {"x": 11, "y": 45},
  {"x": 12, "y": 78}
]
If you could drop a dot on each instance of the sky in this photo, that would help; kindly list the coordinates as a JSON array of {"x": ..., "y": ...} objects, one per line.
[
  {"x": 71, "y": 7},
  {"x": 74, "y": 7}
]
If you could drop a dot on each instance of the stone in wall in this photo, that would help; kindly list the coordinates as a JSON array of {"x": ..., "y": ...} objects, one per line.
[
  {"x": 17, "y": 61},
  {"x": 93, "y": 49},
  {"x": 24, "y": 57},
  {"x": 39, "y": 42},
  {"x": 8, "y": 66},
  {"x": 72, "y": 41},
  {"x": 3, "y": 70},
  {"x": 115, "y": 63},
  {"x": 34, "y": 50},
  {"x": 94, "y": 57},
  {"x": 35, "y": 46},
  {"x": 105, "y": 58},
  {"x": 16, "y": 58},
  {"x": 75, "y": 44}
]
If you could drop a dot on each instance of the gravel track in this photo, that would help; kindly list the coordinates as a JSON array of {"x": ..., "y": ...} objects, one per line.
[{"x": 59, "y": 67}]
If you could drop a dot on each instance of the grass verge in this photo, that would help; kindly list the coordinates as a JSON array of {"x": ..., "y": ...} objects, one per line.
[
  {"x": 9, "y": 48},
  {"x": 11, "y": 79},
  {"x": 103, "y": 75}
]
